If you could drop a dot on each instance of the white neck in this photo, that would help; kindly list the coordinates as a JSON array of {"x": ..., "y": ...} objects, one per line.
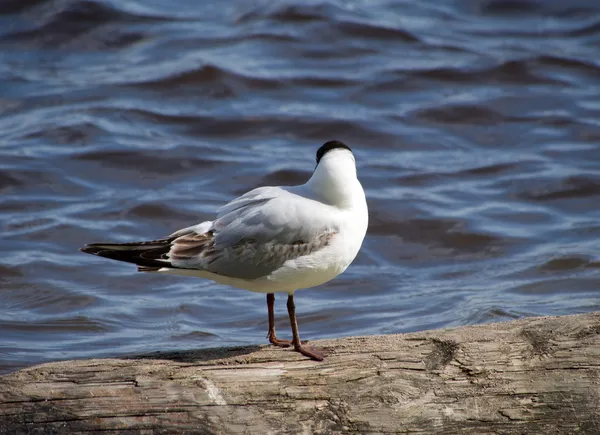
[{"x": 334, "y": 180}]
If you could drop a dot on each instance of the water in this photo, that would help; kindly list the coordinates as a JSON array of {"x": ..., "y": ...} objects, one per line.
[{"x": 474, "y": 123}]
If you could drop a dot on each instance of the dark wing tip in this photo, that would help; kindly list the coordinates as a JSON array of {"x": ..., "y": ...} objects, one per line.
[
  {"x": 150, "y": 254},
  {"x": 148, "y": 269},
  {"x": 328, "y": 146},
  {"x": 89, "y": 249}
]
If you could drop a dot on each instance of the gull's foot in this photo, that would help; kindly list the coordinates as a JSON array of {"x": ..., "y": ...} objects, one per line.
[
  {"x": 279, "y": 343},
  {"x": 310, "y": 352},
  {"x": 276, "y": 341}
]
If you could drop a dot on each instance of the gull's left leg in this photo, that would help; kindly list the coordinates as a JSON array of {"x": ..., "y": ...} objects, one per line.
[
  {"x": 271, "y": 334},
  {"x": 298, "y": 346}
]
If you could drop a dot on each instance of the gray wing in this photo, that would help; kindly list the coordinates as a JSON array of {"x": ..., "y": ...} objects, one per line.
[{"x": 255, "y": 234}]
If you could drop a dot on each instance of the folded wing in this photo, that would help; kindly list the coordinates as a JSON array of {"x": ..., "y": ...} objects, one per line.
[
  {"x": 255, "y": 234},
  {"x": 252, "y": 236}
]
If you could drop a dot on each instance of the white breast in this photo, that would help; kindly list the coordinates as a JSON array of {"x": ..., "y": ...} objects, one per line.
[{"x": 327, "y": 263}]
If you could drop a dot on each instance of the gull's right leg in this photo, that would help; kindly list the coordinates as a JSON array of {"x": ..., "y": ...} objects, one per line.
[{"x": 298, "y": 345}]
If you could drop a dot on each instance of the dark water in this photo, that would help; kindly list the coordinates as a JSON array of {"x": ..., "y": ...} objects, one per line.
[{"x": 476, "y": 126}]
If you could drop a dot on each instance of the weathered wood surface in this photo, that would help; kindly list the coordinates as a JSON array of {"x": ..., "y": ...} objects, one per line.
[{"x": 531, "y": 376}]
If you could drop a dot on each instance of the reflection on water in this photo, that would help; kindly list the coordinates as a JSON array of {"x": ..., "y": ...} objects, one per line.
[{"x": 475, "y": 126}]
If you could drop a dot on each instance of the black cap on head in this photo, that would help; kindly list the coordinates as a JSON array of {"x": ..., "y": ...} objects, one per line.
[{"x": 328, "y": 146}]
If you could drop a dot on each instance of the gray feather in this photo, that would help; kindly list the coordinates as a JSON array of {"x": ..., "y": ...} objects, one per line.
[{"x": 254, "y": 235}]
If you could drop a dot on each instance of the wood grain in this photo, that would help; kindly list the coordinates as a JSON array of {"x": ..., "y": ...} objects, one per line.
[{"x": 537, "y": 375}]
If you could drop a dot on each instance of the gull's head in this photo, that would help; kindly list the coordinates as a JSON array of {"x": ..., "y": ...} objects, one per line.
[
  {"x": 334, "y": 179},
  {"x": 334, "y": 149}
]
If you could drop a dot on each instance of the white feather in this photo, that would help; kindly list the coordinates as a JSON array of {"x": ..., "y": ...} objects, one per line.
[{"x": 332, "y": 202}]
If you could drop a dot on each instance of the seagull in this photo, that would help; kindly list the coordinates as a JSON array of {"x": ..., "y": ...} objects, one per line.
[{"x": 271, "y": 239}]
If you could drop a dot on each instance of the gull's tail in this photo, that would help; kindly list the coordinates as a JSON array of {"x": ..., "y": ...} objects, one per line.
[{"x": 149, "y": 256}]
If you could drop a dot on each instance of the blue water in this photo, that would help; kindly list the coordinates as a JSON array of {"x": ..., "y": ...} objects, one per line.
[{"x": 474, "y": 124}]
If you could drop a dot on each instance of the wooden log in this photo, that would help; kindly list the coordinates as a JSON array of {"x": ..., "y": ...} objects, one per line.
[{"x": 534, "y": 376}]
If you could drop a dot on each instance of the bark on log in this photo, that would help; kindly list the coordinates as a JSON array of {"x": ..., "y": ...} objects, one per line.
[{"x": 536, "y": 375}]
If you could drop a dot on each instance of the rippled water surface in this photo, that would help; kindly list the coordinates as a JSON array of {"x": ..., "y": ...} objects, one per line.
[{"x": 476, "y": 127}]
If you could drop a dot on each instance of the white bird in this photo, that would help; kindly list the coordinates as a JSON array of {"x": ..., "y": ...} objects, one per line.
[{"x": 271, "y": 239}]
